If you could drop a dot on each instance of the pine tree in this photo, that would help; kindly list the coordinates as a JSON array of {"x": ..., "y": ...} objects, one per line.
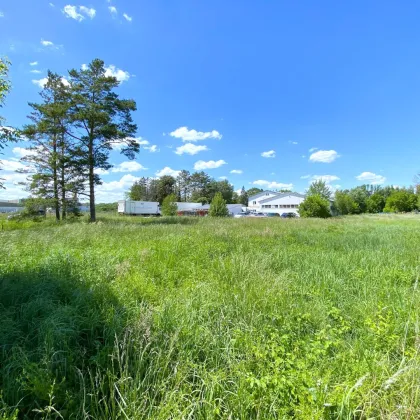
[
  {"x": 243, "y": 197},
  {"x": 51, "y": 153},
  {"x": 218, "y": 206},
  {"x": 100, "y": 120}
]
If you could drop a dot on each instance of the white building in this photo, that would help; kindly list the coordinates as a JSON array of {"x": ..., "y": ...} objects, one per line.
[
  {"x": 255, "y": 200},
  {"x": 272, "y": 202}
]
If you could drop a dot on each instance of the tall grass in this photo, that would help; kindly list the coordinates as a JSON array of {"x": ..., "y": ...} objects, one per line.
[{"x": 179, "y": 318}]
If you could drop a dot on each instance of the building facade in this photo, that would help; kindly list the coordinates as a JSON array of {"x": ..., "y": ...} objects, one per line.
[{"x": 273, "y": 202}]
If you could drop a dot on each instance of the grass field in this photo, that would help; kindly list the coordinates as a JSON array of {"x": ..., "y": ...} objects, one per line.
[{"x": 132, "y": 318}]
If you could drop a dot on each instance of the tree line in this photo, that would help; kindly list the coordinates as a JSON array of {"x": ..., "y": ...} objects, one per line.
[
  {"x": 197, "y": 187},
  {"x": 321, "y": 202}
]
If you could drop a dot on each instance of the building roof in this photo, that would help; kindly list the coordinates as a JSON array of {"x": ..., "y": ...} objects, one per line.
[
  {"x": 253, "y": 197},
  {"x": 281, "y": 195}
]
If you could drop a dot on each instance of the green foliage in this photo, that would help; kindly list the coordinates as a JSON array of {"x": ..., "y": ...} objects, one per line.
[
  {"x": 169, "y": 206},
  {"x": 202, "y": 200},
  {"x": 218, "y": 206},
  {"x": 320, "y": 188},
  {"x": 243, "y": 197},
  {"x": 4, "y": 81},
  {"x": 315, "y": 206},
  {"x": 375, "y": 203},
  {"x": 165, "y": 187},
  {"x": 401, "y": 201},
  {"x": 106, "y": 207},
  {"x": 344, "y": 203},
  {"x": 254, "y": 191},
  {"x": 360, "y": 195}
]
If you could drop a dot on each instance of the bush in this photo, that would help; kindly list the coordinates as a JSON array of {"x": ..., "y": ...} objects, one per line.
[
  {"x": 375, "y": 203},
  {"x": 169, "y": 206},
  {"x": 401, "y": 201},
  {"x": 315, "y": 206},
  {"x": 218, "y": 206},
  {"x": 344, "y": 204}
]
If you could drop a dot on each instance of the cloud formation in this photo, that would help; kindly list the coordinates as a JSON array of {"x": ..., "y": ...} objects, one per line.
[
  {"x": 273, "y": 185},
  {"x": 371, "y": 178},
  {"x": 190, "y": 149},
  {"x": 269, "y": 154},
  {"x": 167, "y": 171},
  {"x": 211, "y": 164},
  {"x": 324, "y": 156},
  {"x": 236, "y": 171},
  {"x": 128, "y": 166},
  {"x": 193, "y": 135},
  {"x": 120, "y": 75}
]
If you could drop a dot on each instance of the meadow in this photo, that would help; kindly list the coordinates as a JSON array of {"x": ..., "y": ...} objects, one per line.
[{"x": 183, "y": 318}]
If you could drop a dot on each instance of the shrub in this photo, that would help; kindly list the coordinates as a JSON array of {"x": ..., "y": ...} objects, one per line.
[
  {"x": 401, "y": 201},
  {"x": 218, "y": 206},
  {"x": 344, "y": 204},
  {"x": 169, "y": 206},
  {"x": 315, "y": 206},
  {"x": 375, "y": 203}
]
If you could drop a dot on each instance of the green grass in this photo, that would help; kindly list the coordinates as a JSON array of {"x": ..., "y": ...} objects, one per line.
[{"x": 178, "y": 318}]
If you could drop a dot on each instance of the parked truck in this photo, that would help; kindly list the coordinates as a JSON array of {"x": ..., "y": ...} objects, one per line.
[{"x": 141, "y": 208}]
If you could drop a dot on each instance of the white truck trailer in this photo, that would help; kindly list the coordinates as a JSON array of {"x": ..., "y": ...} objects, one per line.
[{"x": 141, "y": 208}]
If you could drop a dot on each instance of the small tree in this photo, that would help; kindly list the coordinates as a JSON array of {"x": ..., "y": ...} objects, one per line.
[
  {"x": 243, "y": 197},
  {"x": 218, "y": 206},
  {"x": 315, "y": 206},
  {"x": 320, "y": 188},
  {"x": 375, "y": 203},
  {"x": 169, "y": 206},
  {"x": 344, "y": 204}
]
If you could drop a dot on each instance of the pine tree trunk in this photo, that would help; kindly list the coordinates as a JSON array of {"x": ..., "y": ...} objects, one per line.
[
  {"x": 63, "y": 186},
  {"x": 55, "y": 181},
  {"x": 91, "y": 185}
]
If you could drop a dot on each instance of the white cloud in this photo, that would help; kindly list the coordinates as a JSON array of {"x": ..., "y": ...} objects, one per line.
[
  {"x": 223, "y": 178},
  {"x": 193, "y": 135},
  {"x": 269, "y": 154},
  {"x": 112, "y": 10},
  {"x": 71, "y": 12},
  {"x": 139, "y": 140},
  {"x": 113, "y": 191},
  {"x": 152, "y": 149},
  {"x": 36, "y": 71},
  {"x": 1, "y": 14},
  {"x": 90, "y": 12},
  {"x": 47, "y": 43},
  {"x": 99, "y": 171},
  {"x": 120, "y": 75},
  {"x": 324, "y": 156},
  {"x": 211, "y": 164},
  {"x": 33, "y": 63},
  {"x": 236, "y": 171},
  {"x": 167, "y": 171},
  {"x": 128, "y": 18},
  {"x": 21, "y": 152},
  {"x": 312, "y": 149},
  {"x": 273, "y": 185},
  {"x": 305, "y": 177},
  {"x": 52, "y": 4},
  {"x": 42, "y": 82},
  {"x": 129, "y": 166},
  {"x": 84, "y": 67},
  {"x": 371, "y": 178},
  {"x": 190, "y": 149},
  {"x": 326, "y": 178},
  {"x": 293, "y": 142}
]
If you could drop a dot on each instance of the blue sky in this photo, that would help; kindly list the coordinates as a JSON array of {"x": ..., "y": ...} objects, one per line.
[{"x": 319, "y": 88}]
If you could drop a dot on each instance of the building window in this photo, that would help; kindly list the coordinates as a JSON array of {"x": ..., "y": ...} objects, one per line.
[
  {"x": 276, "y": 206},
  {"x": 254, "y": 202}
]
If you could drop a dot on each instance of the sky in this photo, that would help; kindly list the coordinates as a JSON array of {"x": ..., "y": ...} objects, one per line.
[{"x": 271, "y": 94}]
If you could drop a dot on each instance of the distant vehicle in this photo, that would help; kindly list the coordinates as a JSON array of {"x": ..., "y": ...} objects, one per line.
[
  {"x": 242, "y": 214},
  {"x": 272, "y": 215},
  {"x": 258, "y": 214},
  {"x": 290, "y": 215}
]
